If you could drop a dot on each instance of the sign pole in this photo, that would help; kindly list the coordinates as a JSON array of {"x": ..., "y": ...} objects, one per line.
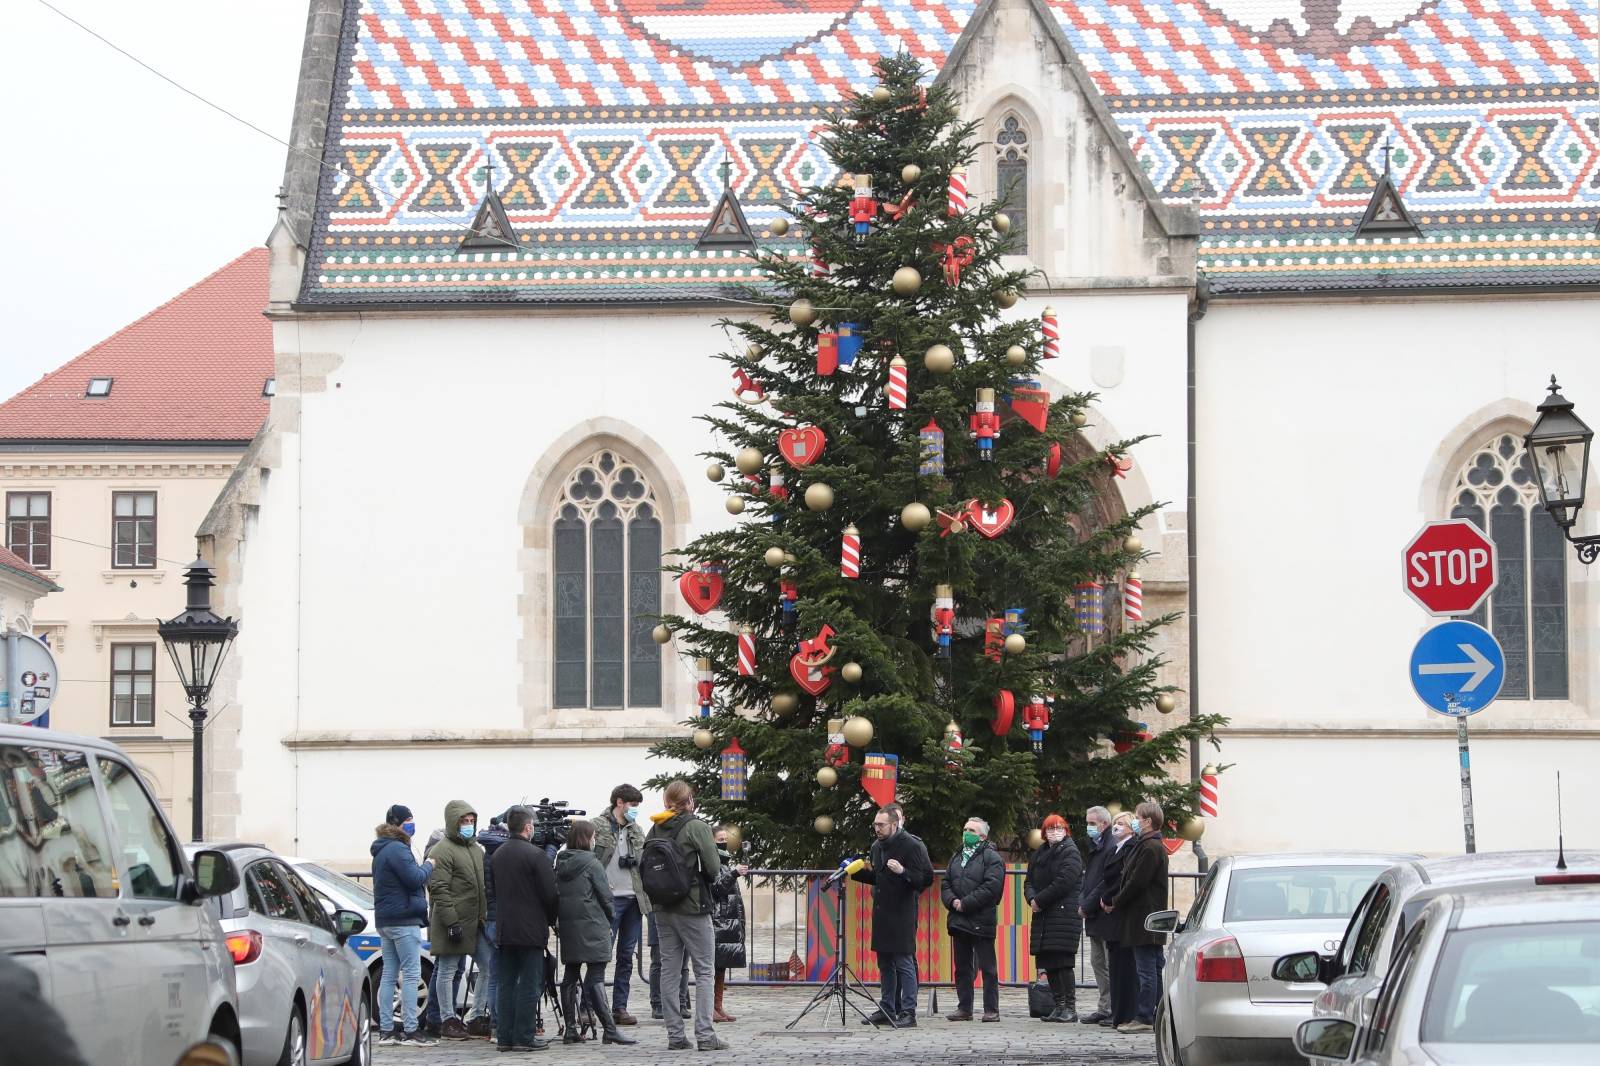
[{"x": 1466, "y": 785}]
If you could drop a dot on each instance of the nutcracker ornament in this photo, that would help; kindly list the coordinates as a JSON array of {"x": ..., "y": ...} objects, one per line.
[
  {"x": 850, "y": 553},
  {"x": 994, "y": 639},
  {"x": 735, "y": 773},
  {"x": 954, "y": 745},
  {"x": 944, "y": 618},
  {"x": 1036, "y": 720},
  {"x": 863, "y": 206},
  {"x": 837, "y": 752},
  {"x": 931, "y": 438},
  {"x": 703, "y": 685},
  {"x": 985, "y": 425},
  {"x": 747, "y": 652},
  {"x": 788, "y": 602}
]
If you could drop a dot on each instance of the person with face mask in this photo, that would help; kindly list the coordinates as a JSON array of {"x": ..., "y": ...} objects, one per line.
[
  {"x": 973, "y": 884},
  {"x": 1053, "y": 887},
  {"x": 727, "y": 920},
  {"x": 1098, "y": 926},
  {"x": 684, "y": 923},
  {"x": 618, "y": 840},
  {"x": 460, "y": 908},
  {"x": 1119, "y": 956},
  {"x": 1143, "y": 891},
  {"x": 400, "y": 910}
]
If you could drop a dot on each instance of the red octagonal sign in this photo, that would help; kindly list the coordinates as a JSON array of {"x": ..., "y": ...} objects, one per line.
[{"x": 1450, "y": 567}]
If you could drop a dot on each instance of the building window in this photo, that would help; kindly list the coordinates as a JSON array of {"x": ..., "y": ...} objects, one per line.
[
  {"x": 269, "y": 388},
  {"x": 1011, "y": 179},
  {"x": 607, "y": 547},
  {"x": 133, "y": 530},
  {"x": 98, "y": 388},
  {"x": 28, "y": 527},
  {"x": 1527, "y": 612},
  {"x": 133, "y": 684}
]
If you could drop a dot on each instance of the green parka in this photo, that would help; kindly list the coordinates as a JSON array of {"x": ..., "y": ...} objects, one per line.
[
  {"x": 455, "y": 888},
  {"x": 585, "y": 907}
]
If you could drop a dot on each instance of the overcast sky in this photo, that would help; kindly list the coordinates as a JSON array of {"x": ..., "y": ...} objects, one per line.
[{"x": 121, "y": 190}]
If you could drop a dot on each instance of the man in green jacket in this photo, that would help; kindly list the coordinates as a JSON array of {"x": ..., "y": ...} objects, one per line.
[
  {"x": 618, "y": 841},
  {"x": 685, "y": 926},
  {"x": 460, "y": 908}
]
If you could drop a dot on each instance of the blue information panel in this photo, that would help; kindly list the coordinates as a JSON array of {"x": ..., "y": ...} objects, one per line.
[{"x": 1457, "y": 668}]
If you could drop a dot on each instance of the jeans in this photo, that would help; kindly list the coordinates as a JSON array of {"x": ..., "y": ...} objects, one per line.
[
  {"x": 1101, "y": 966},
  {"x": 402, "y": 961},
  {"x": 967, "y": 950},
  {"x": 625, "y": 923},
  {"x": 654, "y": 934},
  {"x": 1147, "y": 962},
  {"x": 430, "y": 1017},
  {"x": 446, "y": 968},
  {"x": 1124, "y": 983},
  {"x": 486, "y": 1002},
  {"x": 898, "y": 981},
  {"x": 687, "y": 938},
  {"x": 521, "y": 978}
]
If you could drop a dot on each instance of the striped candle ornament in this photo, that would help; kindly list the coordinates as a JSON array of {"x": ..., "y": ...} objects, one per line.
[
  {"x": 819, "y": 267},
  {"x": 897, "y": 391},
  {"x": 850, "y": 553},
  {"x": 1052, "y": 333},
  {"x": 747, "y": 652},
  {"x": 1132, "y": 599},
  {"x": 958, "y": 192},
  {"x": 1208, "y": 792}
]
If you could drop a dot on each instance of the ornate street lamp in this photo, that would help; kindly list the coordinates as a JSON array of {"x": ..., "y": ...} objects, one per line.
[
  {"x": 198, "y": 640},
  {"x": 1558, "y": 448}
]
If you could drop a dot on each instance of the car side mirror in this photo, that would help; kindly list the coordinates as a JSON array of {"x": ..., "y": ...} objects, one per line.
[
  {"x": 213, "y": 1052},
  {"x": 1162, "y": 922},
  {"x": 214, "y": 875},
  {"x": 1299, "y": 968},
  {"x": 347, "y": 924},
  {"x": 1326, "y": 1038}
]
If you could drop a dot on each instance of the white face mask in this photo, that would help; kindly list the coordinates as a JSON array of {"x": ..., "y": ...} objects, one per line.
[{"x": 1056, "y": 836}]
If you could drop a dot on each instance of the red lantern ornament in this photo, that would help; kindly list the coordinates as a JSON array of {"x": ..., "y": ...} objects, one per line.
[{"x": 1005, "y": 709}]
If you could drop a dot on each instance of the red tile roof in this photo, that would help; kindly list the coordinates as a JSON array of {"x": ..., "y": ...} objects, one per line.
[
  {"x": 191, "y": 370},
  {"x": 10, "y": 560}
]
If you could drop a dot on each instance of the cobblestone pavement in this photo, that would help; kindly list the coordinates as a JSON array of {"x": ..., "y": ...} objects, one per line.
[{"x": 759, "y": 1038}]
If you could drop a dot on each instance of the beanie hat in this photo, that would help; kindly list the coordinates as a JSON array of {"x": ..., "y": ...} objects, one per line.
[{"x": 399, "y": 814}]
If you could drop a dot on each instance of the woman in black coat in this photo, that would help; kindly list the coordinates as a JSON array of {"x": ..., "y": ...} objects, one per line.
[
  {"x": 1124, "y": 973},
  {"x": 727, "y": 922},
  {"x": 1055, "y": 876}
]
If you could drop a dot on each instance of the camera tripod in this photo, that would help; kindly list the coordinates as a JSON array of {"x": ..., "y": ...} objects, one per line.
[{"x": 842, "y": 982}]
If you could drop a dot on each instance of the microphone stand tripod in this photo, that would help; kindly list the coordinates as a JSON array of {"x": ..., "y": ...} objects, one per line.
[{"x": 842, "y": 982}]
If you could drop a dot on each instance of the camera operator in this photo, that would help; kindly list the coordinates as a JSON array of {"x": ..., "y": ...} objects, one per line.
[{"x": 618, "y": 840}]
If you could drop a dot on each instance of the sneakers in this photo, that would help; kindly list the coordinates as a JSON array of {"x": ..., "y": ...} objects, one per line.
[
  {"x": 454, "y": 1029},
  {"x": 417, "y": 1038},
  {"x": 480, "y": 1026},
  {"x": 908, "y": 1020},
  {"x": 680, "y": 1043},
  {"x": 1094, "y": 1018},
  {"x": 991, "y": 1015},
  {"x": 877, "y": 1017},
  {"x": 1135, "y": 1026},
  {"x": 391, "y": 1038},
  {"x": 716, "y": 1043}
]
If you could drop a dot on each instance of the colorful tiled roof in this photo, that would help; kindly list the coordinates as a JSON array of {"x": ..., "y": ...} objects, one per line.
[
  {"x": 605, "y": 123},
  {"x": 192, "y": 370},
  {"x": 13, "y": 563}
]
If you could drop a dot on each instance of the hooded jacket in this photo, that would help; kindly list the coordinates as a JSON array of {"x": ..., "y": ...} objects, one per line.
[
  {"x": 698, "y": 849},
  {"x": 456, "y": 886},
  {"x": 398, "y": 883},
  {"x": 585, "y": 906}
]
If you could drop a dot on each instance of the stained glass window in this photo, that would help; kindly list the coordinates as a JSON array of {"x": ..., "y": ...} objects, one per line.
[{"x": 1011, "y": 179}]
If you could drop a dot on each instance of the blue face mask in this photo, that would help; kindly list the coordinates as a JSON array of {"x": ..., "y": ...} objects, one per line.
[
  {"x": 633, "y": 814},
  {"x": 1094, "y": 832},
  {"x": 467, "y": 831},
  {"x": 409, "y": 828}
]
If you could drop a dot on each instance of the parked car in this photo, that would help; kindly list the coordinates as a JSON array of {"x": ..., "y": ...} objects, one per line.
[
  {"x": 1220, "y": 1003},
  {"x": 1482, "y": 976},
  {"x": 304, "y": 996},
  {"x": 339, "y": 892},
  {"x": 98, "y": 900},
  {"x": 1355, "y": 971}
]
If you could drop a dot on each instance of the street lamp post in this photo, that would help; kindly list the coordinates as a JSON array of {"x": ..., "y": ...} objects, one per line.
[
  {"x": 198, "y": 640},
  {"x": 1558, "y": 446}
]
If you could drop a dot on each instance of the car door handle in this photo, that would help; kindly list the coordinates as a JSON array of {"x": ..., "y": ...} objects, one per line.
[
  {"x": 301, "y": 939},
  {"x": 121, "y": 921},
  {"x": 147, "y": 920},
  {"x": 331, "y": 949}
]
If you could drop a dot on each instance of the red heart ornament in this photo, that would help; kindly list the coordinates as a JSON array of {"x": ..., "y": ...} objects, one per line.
[
  {"x": 802, "y": 445},
  {"x": 701, "y": 589},
  {"x": 990, "y": 521},
  {"x": 813, "y": 679},
  {"x": 1005, "y": 706}
]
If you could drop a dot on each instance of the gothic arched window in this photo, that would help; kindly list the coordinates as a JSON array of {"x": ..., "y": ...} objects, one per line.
[
  {"x": 607, "y": 587},
  {"x": 1527, "y": 611},
  {"x": 1011, "y": 178}
]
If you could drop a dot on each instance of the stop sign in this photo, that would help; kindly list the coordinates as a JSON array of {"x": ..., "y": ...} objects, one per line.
[{"x": 1450, "y": 567}]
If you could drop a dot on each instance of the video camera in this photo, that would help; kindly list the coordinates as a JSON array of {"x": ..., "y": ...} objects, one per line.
[{"x": 550, "y": 822}]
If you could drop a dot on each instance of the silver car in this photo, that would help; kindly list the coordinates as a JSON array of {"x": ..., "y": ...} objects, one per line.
[
  {"x": 1355, "y": 971},
  {"x": 1220, "y": 1003},
  {"x": 1486, "y": 977},
  {"x": 304, "y": 996}
]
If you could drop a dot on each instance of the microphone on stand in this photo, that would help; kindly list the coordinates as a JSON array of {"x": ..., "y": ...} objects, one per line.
[{"x": 846, "y": 868}]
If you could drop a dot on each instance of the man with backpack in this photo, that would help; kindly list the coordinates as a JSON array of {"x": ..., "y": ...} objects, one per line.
[{"x": 676, "y": 870}]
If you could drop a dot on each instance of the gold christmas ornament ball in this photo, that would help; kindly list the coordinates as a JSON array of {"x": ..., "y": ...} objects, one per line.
[
  {"x": 802, "y": 312},
  {"x": 1006, "y": 297},
  {"x": 1035, "y": 840},
  {"x": 1016, "y": 644},
  {"x": 939, "y": 359},
  {"x": 703, "y": 739},
  {"x": 910, "y": 173},
  {"x": 1113, "y": 808},
  {"x": 1165, "y": 703},
  {"x": 1193, "y": 829},
  {"x": 749, "y": 460},
  {"x": 779, "y": 227},
  {"x": 851, "y": 672},
  {"x": 714, "y": 472},
  {"x": 755, "y": 351},
  {"x": 773, "y": 557},
  {"x": 661, "y": 634},
  {"x": 1016, "y": 355},
  {"x": 1079, "y": 420},
  {"x": 827, "y": 777},
  {"x": 788, "y": 557},
  {"x": 915, "y": 516},
  {"x": 1133, "y": 544},
  {"x": 784, "y": 704},
  {"x": 823, "y": 824},
  {"x": 907, "y": 280},
  {"x": 734, "y": 504},
  {"x": 1002, "y": 223},
  {"x": 819, "y": 497},
  {"x": 857, "y": 731},
  {"x": 881, "y": 94}
]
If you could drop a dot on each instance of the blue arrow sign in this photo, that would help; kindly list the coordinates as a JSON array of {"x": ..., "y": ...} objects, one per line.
[{"x": 1457, "y": 668}]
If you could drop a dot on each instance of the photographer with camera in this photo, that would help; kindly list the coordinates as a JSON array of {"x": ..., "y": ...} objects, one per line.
[{"x": 618, "y": 840}]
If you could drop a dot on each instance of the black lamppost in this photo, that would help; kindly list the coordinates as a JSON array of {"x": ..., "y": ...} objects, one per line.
[
  {"x": 198, "y": 640},
  {"x": 1558, "y": 446}
]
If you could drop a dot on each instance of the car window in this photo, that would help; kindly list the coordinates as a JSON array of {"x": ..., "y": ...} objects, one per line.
[
  {"x": 149, "y": 863},
  {"x": 53, "y": 839},
  {"x": 1275, "y": 893},
  {"x": 335, "y": 884},
  {"x": 310, "y": 906},
  {"x": 269, "y": 895},
  {"x": 1371, "y": 934},
  {"x": 1518, "y": 984},
  {"x": 1352, "y": 929},
  {"x": 1202, "y": 896},
  {"x": 1383, "y": 1015}
]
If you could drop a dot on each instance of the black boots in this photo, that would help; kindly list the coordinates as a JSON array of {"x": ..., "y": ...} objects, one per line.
[
  {"x": 1065, "y": 992},
  {"x": 608, "y": 1024},
  {"x": 569, "y": 1011}
]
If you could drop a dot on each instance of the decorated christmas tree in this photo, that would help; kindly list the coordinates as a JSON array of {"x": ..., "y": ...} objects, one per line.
[{"x": 913, "y": 603}]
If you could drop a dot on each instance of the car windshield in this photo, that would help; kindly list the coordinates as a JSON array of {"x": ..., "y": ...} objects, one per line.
[
  {"x": 1278, "y": 893},
  {"x": 1517, "y": 984},
  {"x": 336, "y": 884}
]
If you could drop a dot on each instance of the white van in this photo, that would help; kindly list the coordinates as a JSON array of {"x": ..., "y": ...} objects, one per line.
[{"x": 97, "y": 900}]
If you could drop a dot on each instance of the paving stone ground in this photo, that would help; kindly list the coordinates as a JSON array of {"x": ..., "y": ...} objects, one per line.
[{"x": 760, "y": 1039}]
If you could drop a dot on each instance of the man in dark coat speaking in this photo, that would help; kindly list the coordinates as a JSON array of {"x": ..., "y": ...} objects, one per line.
[{"x": 899, "y": 872}]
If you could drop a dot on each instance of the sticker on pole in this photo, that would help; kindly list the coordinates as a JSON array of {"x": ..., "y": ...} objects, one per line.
[{"x": 1457, "y": 668}]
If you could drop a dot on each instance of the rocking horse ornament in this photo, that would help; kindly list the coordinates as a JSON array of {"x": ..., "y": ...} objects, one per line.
[{"x": 809, "y": 665}]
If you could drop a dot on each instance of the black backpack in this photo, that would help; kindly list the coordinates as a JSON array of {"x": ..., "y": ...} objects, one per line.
[{"x": 662, "y": 870}]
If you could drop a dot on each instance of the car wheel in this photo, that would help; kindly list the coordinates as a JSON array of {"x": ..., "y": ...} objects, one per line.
[
  {"x": 1167, "y": 1053},
  {"x": 294, "y": 1041},
  {"x": 361, "y": 1054}
]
